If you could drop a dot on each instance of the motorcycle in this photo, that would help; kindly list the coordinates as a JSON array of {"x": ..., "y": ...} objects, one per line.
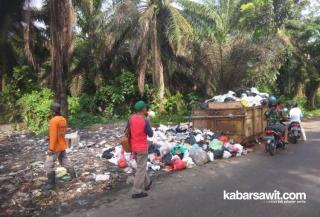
[
  {"x": 274, "y": 140},
  {"x": 294, "y": 132}
]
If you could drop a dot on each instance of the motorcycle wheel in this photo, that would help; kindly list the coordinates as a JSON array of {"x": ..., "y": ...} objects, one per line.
[
  {"x": 294, "y": 140},
  {"x": 272, "y": 149},
  {"x": 266, "y": 147}
]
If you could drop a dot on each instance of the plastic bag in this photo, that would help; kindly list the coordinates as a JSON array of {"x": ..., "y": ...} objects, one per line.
[
  {"x": 178, "y": 164},
  {"x": 189, "y": 162},
  {"x": 199, "y": 138},
  {"x": 218, "y": 154},
  {"x": 224, "y": 139},
  {"x": 166, "y": 159},
  {"x": 239, "y": 147},
  {"x": 210, "y": 156},
  {"x": 179, "y": 150},
  {"x": 226, "y": 155},
  {"x": 199, "y": 156},
  {"x": 107, "y": 154},
  {"x": 164, "y": 149},
  {"x": 215, "y": 144},
  {"x": 122, "y": 162}
]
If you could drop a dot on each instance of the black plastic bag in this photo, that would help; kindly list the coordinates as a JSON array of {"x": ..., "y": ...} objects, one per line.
[
  {"x": 217, "y": 153},
  {"x": 166, "y": 159},
  {"x": 107, "y": 154}
]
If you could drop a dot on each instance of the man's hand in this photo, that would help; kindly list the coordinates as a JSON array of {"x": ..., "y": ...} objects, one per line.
[{"x": 49, "y": 152}]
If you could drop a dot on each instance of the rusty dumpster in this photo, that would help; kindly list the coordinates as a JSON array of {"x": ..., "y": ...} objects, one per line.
[{"x": 240, "y": 123}]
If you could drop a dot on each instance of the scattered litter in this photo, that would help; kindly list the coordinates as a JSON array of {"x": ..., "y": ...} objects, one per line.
[
  {"x": 100, "y": 162},
  {"x": 102, "y": 177}
]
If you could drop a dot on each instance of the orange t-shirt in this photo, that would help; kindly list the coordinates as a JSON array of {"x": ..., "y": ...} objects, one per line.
[{"x": 57, "y": 131}]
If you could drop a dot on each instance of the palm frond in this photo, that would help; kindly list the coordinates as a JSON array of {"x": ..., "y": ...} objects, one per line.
[
  {"x": 204, "y": 16},
  {"x": 179, "y": 29},
  {"x": 142, "y": 29}
]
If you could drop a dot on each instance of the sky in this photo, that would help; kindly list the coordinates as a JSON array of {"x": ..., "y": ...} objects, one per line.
[{"x": 313, "y": 5}]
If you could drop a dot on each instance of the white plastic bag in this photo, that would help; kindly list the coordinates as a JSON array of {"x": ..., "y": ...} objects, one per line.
[
  {"x": 189, "y": 162},
  {"x": 226, "y": 155},
  {"x": 239, "y": 147},
  {"x": 210, "y": 156}
]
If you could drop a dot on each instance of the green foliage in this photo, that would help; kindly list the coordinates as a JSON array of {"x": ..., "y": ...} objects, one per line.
[
  {"x": 302, "y": 101},
  {"x": 115, "y": 98},
  {"x": 175, "y": 103},
  {"x": 87, "y": 103},
  {"x": 9, "y": 110},
  {"x": 84, "y": 119},
  {"x": 20, "y": 81},
  {"x": 266, "y": 88},
  {"x": 35, "y": 108},
  {"x": 312, "y": 113},
  {"x": 73, "y": 105},
  {"x": 192, "y": 100}
]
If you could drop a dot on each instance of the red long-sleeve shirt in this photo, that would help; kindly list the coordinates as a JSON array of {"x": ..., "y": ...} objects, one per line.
[{"x": 140, "y": 128}]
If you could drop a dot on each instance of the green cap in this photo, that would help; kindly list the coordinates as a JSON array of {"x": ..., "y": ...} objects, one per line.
[{"x": 140, "y": 105}]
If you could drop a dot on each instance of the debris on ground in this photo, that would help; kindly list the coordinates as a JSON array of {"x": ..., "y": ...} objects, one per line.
[{"x": 101, "y": 163}]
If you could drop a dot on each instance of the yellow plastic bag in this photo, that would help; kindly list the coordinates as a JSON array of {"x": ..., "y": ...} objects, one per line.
[{"x": 245, "y": 103}]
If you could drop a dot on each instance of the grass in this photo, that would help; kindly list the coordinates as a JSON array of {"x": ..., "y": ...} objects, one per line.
[
  {"x": 312, "y": 113},
  {"x": 86, "y": 120}
]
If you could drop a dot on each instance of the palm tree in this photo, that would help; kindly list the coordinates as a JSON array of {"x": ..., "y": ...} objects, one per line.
[
  {"x": 160, "y": 22},
  {"x": 62, "y": 19},
  {"x": 213, "y": 22},
  {"x": 10, "y": 29}
]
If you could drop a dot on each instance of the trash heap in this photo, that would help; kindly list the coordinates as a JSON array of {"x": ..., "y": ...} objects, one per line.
[
  {"x": 177, "y": 148},
  {"x": 22, "y": 173},
  {"x": 249, "y": 97},
  {"x": 100, "y": 162}
]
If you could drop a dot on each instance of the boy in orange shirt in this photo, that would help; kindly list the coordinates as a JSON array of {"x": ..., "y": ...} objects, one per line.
[{"x": 57, "y": 146}]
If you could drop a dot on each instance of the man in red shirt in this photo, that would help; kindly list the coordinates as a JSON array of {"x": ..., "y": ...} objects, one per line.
[{"x": 140, "y": 128}]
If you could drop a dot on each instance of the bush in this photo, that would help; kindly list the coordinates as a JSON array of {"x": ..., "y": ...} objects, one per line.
[
  {"x": 73, "y": 105},
  {"x": 114, "y": 99},
  {"x": 302, "y": 101},
  {"x": 35, "y": 108},
  {"x": 9, "y": 110},
  {"x": 20, "y": 81},
  {"x": 175, "y": 103},
  {"x": 84, "y": 119}
]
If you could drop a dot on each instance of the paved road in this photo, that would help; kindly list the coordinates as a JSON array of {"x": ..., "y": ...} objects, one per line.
[{"x": 199, "y": 192}]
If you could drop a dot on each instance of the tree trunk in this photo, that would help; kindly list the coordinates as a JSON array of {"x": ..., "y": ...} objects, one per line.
[
  {"x": 311, "y": 91},
  {"x": 158, "y": 78},
  {"x": 142, "y": 65},
  {"x": 26, "y": 37},
  {"x": 62, "y": 19},
  {"x": 221, "y": 85},
  {"x": 299, "y": 89}
]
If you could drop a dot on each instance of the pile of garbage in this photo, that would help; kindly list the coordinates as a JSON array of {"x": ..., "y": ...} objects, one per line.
[
  {"x": 22, "y": 173},
  {"x": 177, "y": 148},
  {"x": 249, "y": 97},
  {"x": 100, "y": 162}
]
